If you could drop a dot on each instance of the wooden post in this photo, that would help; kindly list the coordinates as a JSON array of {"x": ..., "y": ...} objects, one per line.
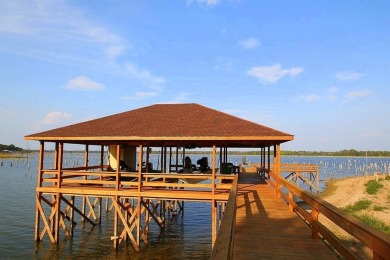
[
  {"x": 291, "y": 197},
  {"x": 117, "y": 173},
  {"x": 314, "y": 229},
  {"x": 277, "y": 159},
  {"x": 39, "y": 194},
  {"x": 147, "y": 159},
  {"x": 269, "y": 158},
  {"x": 55, "y": 157},
  {"x": 139, "y": 206},
  {"x": 101, "y": 157},
  {"x": 59, "y": 165},
  {"x": 162, "y": 158},
  {"x": 140, "y": 168},
  {"x": 213, "y": 169},
  {"x": 71, "y": 218},
  {"x": 86, "y": 155},
  {"x": 220, "y": 159},
  {"x": 170, "y": 159},
  {"x": 115, "y": 236},
  {"x": 177, "y": 159},
  {"x": 213, "y": 221},
  {"x": 40, "y": 164},
  {"x": 165, "y": 159},
  {"x": 57, "y": 217}
]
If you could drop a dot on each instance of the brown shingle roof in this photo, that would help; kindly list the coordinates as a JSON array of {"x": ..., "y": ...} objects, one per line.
[{"x": 165, "y": 122}]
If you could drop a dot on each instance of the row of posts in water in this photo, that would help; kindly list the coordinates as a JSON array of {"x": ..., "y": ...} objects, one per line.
[{"x": 357, "y": 166}]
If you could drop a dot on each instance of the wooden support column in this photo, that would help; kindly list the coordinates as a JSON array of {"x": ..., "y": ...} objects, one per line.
[
  {"x": 38, "y": 194},
  {"x": 213, "y": 169},
  {"x": 165, "y": 159},
  {"x": 55, "y": 157},
  {"x": 86, "y": 155},
  {"x": 269, "y": 158},
  {"x": 57, "y": 217},
  {"x": 278, "y": 158},
  {"x": 139, "y": 206},
  {"x": 213, "y": 221},
  {"x": 162, "y": 159},
  {"x": 101, "y": 157},
  {"x": 147, "y": 159},
  {"x": 117, "y": 172},
  {"x": 140, "y": 154},
  {"x": 59, "y": 164},
  {"x": 115, "y": 237},
  {"x": 177, "y": 159},
  {"x": 170, "y": 159},
  {"x": 40, "y": 163},
  {"x": 220, "y": 158}
]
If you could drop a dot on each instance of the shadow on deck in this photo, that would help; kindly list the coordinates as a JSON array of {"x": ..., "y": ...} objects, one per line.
[{"x": 266, "y": 229}]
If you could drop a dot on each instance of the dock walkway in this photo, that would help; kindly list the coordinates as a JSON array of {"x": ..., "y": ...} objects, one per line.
[{"x": 266, "y": 229}]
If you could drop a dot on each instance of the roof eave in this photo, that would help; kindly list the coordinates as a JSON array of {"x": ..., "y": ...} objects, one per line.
[{"x": 161, "y": 138}]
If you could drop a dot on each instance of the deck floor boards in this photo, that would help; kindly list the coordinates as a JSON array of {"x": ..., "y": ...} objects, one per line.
[{"x": 266, "y": 229}]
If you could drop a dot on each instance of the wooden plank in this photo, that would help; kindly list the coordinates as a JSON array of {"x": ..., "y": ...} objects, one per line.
[{"x": 266, "y": 229}]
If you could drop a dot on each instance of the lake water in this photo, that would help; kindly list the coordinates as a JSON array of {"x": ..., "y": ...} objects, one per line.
[{"x": 186, "y": 236}]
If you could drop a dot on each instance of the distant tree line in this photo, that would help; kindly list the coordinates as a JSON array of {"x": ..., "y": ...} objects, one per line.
[
  {"x": 350, "y": 152},
  {"x": 10, "y": 147}
]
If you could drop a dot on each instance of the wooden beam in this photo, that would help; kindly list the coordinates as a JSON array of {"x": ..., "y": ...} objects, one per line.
[
  {"x": 118, "y": 158},
  {"x": 213, "y": 162},
  {"x": 140, "y": 155}
]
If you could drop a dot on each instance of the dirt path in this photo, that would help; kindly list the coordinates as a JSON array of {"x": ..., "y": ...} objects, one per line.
[{"x": 347, "y": 191}]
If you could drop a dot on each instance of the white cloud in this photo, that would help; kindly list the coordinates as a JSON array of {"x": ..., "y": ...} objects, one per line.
[
  {"x": 180, "y": 98},
  {"x": 114, "y": 51},
  {"x": 55, "y": 117},
  {"x": 333, "y": 90},
  {"x": 250, "y": 43},
  {"x": 144, "y": 75},
  {"x": 48, "y": 26},
  {"x": 83, "y": 83},
  {"x": 206, "y": 2},
  {"x": 310, "y": 98},
  {"x": 348, "y": 76},
  {"x": 142, "y": 95},
  {"x": 356, "y": 94},
  {"x": 272, "y": 74}
]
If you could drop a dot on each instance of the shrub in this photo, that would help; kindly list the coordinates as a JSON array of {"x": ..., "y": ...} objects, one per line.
[
  {"x": 372, "y": 187},
  {"x": 359, "y": 205},
  {"x": 387, "y": 178}
]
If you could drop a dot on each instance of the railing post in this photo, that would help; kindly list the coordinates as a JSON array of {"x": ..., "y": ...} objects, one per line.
[
  {"x": 291, "y": 197},
  {"x": 314, "y": 229}
]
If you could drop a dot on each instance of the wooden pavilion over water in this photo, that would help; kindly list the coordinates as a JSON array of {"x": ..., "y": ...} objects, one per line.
[
  {"x": 139, "y": 192},
  {"x": 130, "y": 137}
]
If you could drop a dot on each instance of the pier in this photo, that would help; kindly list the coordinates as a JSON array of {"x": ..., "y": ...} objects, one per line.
[{"x": 252, "y": 214}]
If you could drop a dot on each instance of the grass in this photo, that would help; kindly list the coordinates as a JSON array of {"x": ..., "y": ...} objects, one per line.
[
  {"x": 387, "y": 178},
  {"x": 372, "y": 187},
  {"x": 379, "y": 208},
  {"x": 374, "y": 222},
  {"x": 359, "y": 205}
]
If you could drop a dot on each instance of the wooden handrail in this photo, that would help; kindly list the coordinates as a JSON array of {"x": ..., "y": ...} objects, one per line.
[
  {"x": 378, "y": 241},
  {"x": 223, "y": 246}
]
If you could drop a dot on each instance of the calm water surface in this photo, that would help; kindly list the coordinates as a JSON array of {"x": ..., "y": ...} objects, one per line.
[{"x": 186, "y": 236}]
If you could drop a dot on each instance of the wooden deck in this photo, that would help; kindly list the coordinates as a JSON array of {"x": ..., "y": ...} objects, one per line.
[{"x": 266, "y": 229}]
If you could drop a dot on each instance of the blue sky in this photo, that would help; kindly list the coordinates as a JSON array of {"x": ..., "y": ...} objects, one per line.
[{"x": 319, "y": 70}]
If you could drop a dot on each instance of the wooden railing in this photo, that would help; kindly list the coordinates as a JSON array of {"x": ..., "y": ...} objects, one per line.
[
  {"x": 378, "y": 241},
  {"x": 93, "y": 175},
  {"x": 224, "y": 242}
]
